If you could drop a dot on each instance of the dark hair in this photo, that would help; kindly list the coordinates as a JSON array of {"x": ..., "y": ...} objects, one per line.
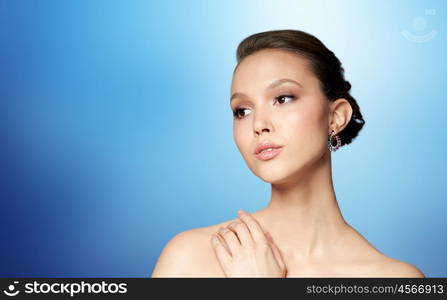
[{"x": 324, "y": 64}]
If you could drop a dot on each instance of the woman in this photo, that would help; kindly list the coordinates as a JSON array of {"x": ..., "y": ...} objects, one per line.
[{"x": 292, "y": 108}]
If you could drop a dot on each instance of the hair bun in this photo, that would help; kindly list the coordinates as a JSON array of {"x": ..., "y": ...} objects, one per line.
[{"x": 347, "y": 86}]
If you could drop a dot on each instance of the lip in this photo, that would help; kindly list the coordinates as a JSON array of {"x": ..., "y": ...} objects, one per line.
[
  {"x": 267, "y": 155},
  {"x": 265, "y": 145}
]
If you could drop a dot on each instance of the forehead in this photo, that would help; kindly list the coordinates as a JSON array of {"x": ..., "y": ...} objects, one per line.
[{"x": 260, "y": 68}]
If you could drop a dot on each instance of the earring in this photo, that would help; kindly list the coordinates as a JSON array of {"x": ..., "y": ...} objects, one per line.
[{"x": 329, "y": 143}]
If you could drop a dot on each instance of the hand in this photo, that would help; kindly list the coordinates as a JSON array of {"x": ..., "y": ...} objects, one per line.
[{"x": 244, "y": 250}]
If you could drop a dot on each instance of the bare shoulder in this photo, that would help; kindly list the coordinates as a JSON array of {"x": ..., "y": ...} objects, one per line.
[
  {"x": 390, "y": 267},
  {"x": 189, "y": 254},
  {"x": 373, "y": 263},
  {"x": 378, "y": 264}
]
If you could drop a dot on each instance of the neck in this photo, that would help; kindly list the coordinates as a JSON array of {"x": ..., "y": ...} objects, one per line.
[{"x": 303, "y": 215}]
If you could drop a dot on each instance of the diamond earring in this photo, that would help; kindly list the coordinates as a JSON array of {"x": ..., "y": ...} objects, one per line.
[{"x": 329, "y": 143}]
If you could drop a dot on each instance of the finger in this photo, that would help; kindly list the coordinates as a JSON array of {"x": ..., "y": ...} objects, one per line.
[
  {"x": 253, "y": 225},
  {"x": 221, "y": 252},
  {"x": 269, "y": 237},
  {"x": 230, "y": 238},
  {"x": 276, "y": 251},
  {"x": 242, "y": 232},
  {"x": 224, "y": 243}
]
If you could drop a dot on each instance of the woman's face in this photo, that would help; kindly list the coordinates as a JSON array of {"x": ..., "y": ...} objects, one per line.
[{"x": 292, "y": 115}]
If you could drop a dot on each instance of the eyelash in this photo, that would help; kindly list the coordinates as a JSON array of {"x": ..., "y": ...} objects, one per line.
[{"x": 235, "y": 112}]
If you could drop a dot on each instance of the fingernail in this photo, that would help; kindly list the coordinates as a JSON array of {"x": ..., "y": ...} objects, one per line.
[
  {"x": 240, "y": 212},
  {"x": 214, "y": 238}
]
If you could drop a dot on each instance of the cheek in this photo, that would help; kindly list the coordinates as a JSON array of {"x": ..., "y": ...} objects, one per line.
[
  {"x": 297, "y": 123},
  {"x": 302, "y": 128},
  {"x": 241, "y": 137}
]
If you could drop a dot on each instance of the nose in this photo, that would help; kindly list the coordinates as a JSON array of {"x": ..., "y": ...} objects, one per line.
[
  {"x": 261, "y": 124},
  {"x": 259, "y": 132}
]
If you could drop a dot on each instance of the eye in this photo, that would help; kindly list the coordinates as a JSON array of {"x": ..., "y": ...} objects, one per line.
[
  {"x": 281, "y": 97},
  {"x": 236, "y": 112}
]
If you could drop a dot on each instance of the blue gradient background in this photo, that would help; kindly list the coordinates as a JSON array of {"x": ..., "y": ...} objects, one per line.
[{"x": 116, "y": 129}]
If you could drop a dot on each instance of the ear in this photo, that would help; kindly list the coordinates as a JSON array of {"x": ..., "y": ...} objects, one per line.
[{"x": 340, "y": 114}]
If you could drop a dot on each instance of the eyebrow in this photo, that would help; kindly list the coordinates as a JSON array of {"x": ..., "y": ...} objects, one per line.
[{"x": 269, "y": 87}]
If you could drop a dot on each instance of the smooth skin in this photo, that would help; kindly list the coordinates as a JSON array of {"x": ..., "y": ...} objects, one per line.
[{"x": 301, "y": 232}]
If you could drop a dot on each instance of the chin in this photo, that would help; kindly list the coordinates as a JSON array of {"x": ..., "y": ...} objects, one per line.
[
  {"x": 272, "y": 174},
  {"x": 272, "y": 180}
]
